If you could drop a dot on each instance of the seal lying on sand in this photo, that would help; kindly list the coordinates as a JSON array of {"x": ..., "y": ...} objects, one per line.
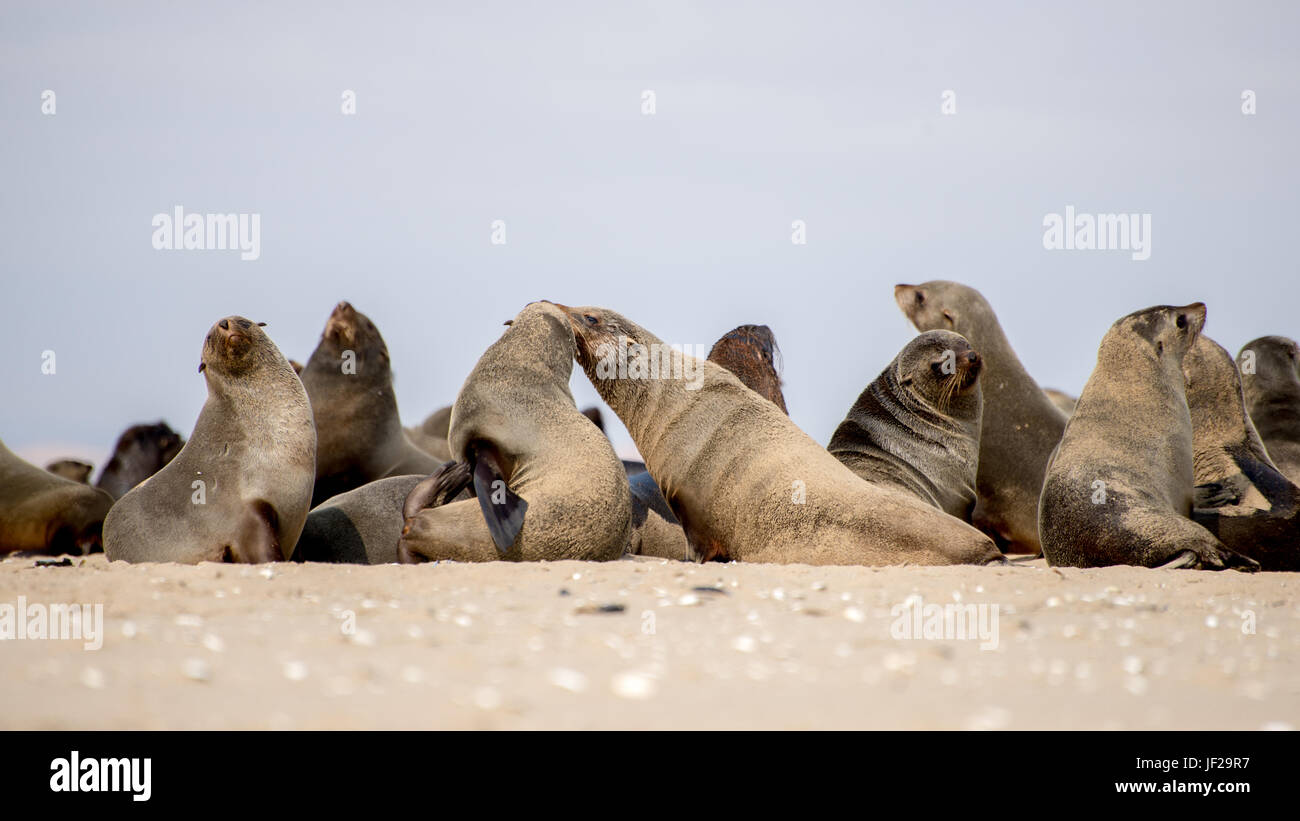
[
  {"x": 45, "y": 513},
  {"x": 141, "y": 451},
  {"x": 917, "y": 426},
  {"x": 546, "y": 480},
  {"x": 744, "y": 481},
  {"x": 1119, "y": 487},
  {"x": 240, "y": 488},
  {"x": 1240, "y": 495},
  {"x": 361, "y": 526},
  {"x": 1021, "y": 425},
  {"x": 359, "y": 433},
  {"x": 1270, "y": 377}
]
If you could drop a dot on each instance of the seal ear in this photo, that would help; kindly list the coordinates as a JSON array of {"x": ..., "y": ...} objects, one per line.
[
  {"x": 202, "y": 367},
  {"x": 503, "y": 509}
]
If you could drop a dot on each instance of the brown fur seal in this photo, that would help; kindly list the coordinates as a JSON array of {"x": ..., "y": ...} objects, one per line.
[
  {"x": 430, "y": 435},
  {"x": 745, "y": 482},
  {"x": 1063, "y": 401},
  {"x": 42, "y": 512},
  {"x": 1119, "y": 487},
  {"x": 547, "y": 482},
  {"x": 751, "y": 353},
  {"x": 240, "y": 488},
  {"x": 361, "y": 526},
  {"x": 917, "y": 426},
  {"x": 350, "y": 384},
  {"x": 1272, "y": 387},
  {"x": 1021, "y": 425},
  {"x": 71, "y": 469},
  {"x": 141, "y": 451},
  {"x": 1240, "y": 496}
]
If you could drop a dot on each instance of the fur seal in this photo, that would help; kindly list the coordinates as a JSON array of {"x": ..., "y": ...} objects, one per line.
[
  {"x": 72, "y": 469},
  {"x": 751, "y": 353},
  {"x": 917, "y": 426},
  {"x": 141, "y": 451},
  {"x": 1021, "y": 425},
  {"x": 359, "y": 434},
  {"x": 547, "y": 481},
  {"x": 240, "y": 488},
  {"x": 1240, "y": 495},
  {"x": 45, "y": 513},
  {"x": 745, "y": 482},
  {"x": 1063, "y": 401},
  {"x": 1272, "y": 387},
  {"x": 1119, "y": 487},
  {"x": 361, "y": 526}
]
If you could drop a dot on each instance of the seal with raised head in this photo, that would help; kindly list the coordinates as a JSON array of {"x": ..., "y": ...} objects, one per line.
[
  {"x": 45, "y": 513},
  {"x": 1240, "y": 495},
  {"x": 359, "y": 436},
  {"x": 141, "y": 451},
  {"x": 917, "y": 426},
  {"x": 1270, "y": 377},
  {"x": 751, "y": 353},
  {"x": 548, "y": 485},
  {"x": 1119, "y": 487},
  {"x": 744, "y": 481},
  {"x": 1021, "y": 425},
  {"x": 240, "y": 488}
]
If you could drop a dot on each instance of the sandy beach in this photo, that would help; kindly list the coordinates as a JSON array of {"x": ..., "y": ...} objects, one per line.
[{"x": 651, "y": 644}]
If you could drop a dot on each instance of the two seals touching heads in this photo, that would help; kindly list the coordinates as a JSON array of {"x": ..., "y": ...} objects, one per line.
[
  {"x": 744, "y": 481},
  {"x": 240, "y": 488},
  {"x": 547, "y": 482},
  {"x": 1270, "y": 375},
  {"x": 349, "y": 380},
  {"x": 45, "y": 513},
  {"x": 1240, "y": 495},
  {"x": 1119, "y": 488},
  {"x": 917, "y": 426},
  {"x": 1021, "y": 426}
]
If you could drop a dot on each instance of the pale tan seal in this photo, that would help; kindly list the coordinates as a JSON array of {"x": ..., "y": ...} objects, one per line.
[
  {"x": 45, "y": 513},
  {"x": 547, "y": 482},
  {"x": 917, "y": 426},
  {"x": 72, "y": 469},
  {"x": 240, "y": 488},
  {"x": 1240, "y": 495},
  {"x": 745, "y": 482},
  {"x": 1270, "y": 376},
  {"x": 361, "y": 526},
  {"x": 349, "y": 380},
  {"x": 1021, "y": 425},
  {"x": 1119, "y": 488},
  {"x": 431, "y": 434}
]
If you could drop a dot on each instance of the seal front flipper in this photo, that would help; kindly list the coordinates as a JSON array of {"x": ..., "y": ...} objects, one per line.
[
  {"x": 700, "y": 546},
  {"x": 503, "y": 509},
  {"x": 255, "y": 541},
  {"x": 441, "y": 487}
]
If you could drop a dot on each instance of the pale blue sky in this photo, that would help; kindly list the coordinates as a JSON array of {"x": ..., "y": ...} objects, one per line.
[{"x": 766, "y": 113}]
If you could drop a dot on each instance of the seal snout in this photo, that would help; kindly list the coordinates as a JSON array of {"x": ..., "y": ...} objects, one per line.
[{"x": 341, "y": 327}]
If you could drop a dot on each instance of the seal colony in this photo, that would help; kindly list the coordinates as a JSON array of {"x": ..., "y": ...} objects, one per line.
[{"x": 1174, "y": 455}]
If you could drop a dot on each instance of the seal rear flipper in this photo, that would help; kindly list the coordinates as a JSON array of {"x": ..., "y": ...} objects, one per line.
[
  {"x": 503, "y": 509},
  {"x": 1214, "y": 494},
  {"x": 255, "y": 540},
  {"x": 700, "y": 546},
  {"x": 441, "y": 487}
]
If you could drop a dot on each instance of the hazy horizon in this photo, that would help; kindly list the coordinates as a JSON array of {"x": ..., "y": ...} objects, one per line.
[{"x": 681, "y": 219}]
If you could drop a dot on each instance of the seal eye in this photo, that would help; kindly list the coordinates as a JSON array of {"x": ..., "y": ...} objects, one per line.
[
  {"x": 920, "y": 298},
  {"x": 1181, "y": 322},
  {"x": 1160, "y": 348},
  {"x": 590, "y": 320}
]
